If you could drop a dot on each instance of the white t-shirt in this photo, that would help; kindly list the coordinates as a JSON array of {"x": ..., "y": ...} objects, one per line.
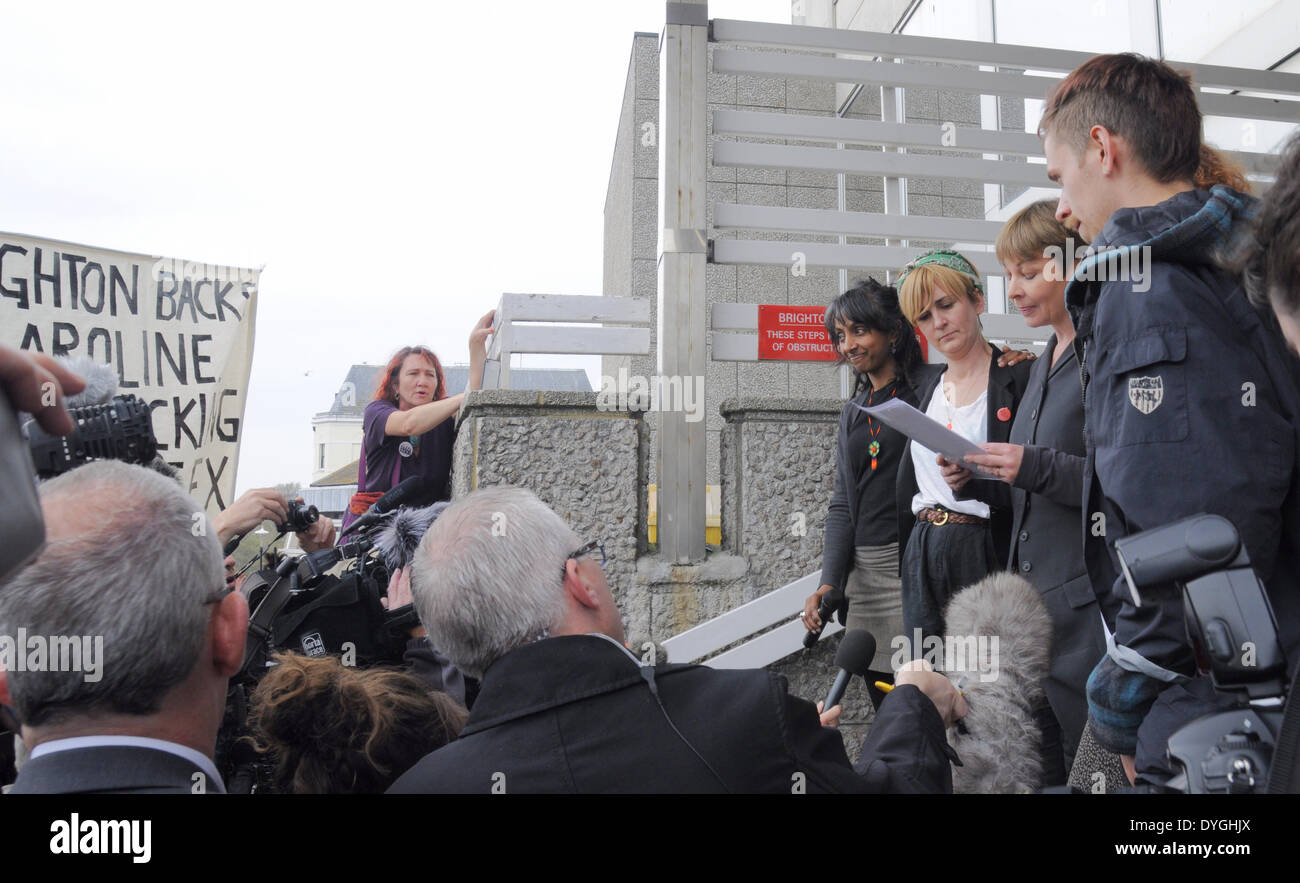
[{"x": 970, "y": 422}]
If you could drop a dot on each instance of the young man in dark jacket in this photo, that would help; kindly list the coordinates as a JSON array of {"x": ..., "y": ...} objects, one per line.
[
  {"x": 1190, "y": 397},
  {"x": 508, "y": 591}
]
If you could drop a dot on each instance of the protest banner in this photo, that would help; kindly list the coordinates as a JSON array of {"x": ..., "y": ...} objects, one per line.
[{"x": 178, "y": 334}]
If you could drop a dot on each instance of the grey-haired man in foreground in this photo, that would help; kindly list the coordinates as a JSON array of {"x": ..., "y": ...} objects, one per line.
[
  {"x": 140, "y": 634},
  {"x": 512, "y": 595}
]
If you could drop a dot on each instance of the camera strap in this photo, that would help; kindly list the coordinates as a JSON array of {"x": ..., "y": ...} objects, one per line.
[
  {"x": 259, "y": 624},
  {"x": 1282, "y": 778}
]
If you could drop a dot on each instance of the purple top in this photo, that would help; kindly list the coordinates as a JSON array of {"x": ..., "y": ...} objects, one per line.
[{"x": 430, "y": 454}]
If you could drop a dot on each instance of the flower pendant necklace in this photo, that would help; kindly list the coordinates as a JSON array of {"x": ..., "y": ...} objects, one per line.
[{"x": 873, "y": 428}]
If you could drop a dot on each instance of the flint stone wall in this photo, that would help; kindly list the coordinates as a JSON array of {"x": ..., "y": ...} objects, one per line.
[
  {"x": 583, "y": 462},
  {"x": 778, "y": 472},
  {"x": 586, "y": 464}
]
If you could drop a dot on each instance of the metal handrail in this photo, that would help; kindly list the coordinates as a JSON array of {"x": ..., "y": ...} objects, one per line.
[
  {"x": 948, "y": 50},
  {"x": 707, "y": 638},
  {"x": 573, "y": 325}
]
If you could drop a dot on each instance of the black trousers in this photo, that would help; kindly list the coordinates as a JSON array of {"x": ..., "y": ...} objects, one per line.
[{"x": 941, "y": 560}]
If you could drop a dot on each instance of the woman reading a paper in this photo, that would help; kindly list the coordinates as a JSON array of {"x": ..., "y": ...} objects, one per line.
[
  {"x": 951, "y": 543},
  {"x": 860, "y": 559},
  {"x": 1043, "y": 464}
]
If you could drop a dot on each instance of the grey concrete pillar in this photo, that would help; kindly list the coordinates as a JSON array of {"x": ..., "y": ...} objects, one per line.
[{"x": 681, "y": 331}]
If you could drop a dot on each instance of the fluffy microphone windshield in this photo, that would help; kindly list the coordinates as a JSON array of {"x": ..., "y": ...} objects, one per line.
[
  {"x": 997, "y": 651},
  {"x": 101, "y": 381},
  {"x": 398, "y": 539}
]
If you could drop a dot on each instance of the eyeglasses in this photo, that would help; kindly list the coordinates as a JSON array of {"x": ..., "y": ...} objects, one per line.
[
  {"x": 593, "y": 546},
  {"x": 216, "y": 596}
]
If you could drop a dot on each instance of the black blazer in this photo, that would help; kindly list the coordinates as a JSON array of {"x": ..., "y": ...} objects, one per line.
[
  {"x": 841, "y": 529},
  {"x": 1047, "y": 497},
  {"x": 1047, "y": 531},
  {"x": 110, "y": 769},
  {"x": 1005, "y": 390},
  {"x": 576, "y": 714}
]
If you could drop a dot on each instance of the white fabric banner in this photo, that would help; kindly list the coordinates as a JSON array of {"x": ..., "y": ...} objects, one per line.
[{"x": 178, "y": 334}]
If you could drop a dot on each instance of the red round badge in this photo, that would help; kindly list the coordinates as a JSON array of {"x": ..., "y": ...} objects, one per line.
[{"x": 1004, "y": 414}]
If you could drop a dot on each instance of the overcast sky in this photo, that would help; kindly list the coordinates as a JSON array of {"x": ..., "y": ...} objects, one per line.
[{"x": 395, "y": 166}]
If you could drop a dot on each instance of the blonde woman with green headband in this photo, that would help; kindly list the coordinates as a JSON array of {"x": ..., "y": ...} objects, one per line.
[{"x": 950, "y": 542}]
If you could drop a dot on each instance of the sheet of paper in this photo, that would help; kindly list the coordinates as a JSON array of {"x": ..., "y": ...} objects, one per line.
[{"x": 926, "y": 432}]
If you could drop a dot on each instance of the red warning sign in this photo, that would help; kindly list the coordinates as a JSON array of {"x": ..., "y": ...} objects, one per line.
[{"x": 793, "y": 333}]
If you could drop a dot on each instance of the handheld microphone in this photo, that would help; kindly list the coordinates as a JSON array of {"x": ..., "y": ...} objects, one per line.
[
  {"x": 415, "y": 489},
  {"x": 857, "y": 649},
  {"x": 825, "y": 609}
]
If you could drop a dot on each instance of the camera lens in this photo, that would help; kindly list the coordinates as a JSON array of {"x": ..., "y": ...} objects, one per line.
[{"x": 301, "y": 516}]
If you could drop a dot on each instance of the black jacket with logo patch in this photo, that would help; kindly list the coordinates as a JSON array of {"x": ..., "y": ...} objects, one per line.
[{"x": 1190, "y": 405}]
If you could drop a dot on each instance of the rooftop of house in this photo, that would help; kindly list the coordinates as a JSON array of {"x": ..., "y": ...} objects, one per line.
[{"x": 343, "y": 475}]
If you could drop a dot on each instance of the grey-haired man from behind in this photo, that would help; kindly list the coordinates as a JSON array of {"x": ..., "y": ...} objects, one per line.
[
  {"x": 511, "y": 594},
  {"x": 128, "y": 598}
]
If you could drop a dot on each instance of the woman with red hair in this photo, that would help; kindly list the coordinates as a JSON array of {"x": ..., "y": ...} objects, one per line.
[{"x": 409, "y": 429}]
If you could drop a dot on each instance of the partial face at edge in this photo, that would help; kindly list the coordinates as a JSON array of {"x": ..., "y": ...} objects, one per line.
[{"x": 1289, "y": 321}]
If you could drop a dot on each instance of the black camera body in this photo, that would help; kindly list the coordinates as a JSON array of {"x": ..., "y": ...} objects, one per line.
[
  {"x": 301, "y": 516},
  {"x": 301, "y": 606},
  {"x": 1233, "y": 633}
]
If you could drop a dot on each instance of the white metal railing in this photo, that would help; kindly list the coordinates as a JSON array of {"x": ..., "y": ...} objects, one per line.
[
  {"x": 784, "y": 603},
  {"x": 981, "y": 153},
  {"x": 571, "y": 324},
  {"x": 845, "y": 130},
  {"x": 975, "y": 52}
]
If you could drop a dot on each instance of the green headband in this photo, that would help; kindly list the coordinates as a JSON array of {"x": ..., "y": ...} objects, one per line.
[{"x": 944, "y": 257}]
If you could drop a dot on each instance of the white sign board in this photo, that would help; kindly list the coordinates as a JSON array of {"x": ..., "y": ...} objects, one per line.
[{"x": 178, "y": 334}]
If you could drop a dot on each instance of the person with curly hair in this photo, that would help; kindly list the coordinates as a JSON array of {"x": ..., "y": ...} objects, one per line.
[{"x": 333, "y": 729}]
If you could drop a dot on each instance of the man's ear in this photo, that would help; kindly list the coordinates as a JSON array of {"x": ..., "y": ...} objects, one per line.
[
  {"x": 578, "y": 586},
  {"x": 1101, "y": 139},
  {"x": 4, "y": 688},
  {"x": 228, "y": 628}
]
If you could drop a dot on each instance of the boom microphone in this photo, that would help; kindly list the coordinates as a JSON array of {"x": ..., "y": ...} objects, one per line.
[
  {"x": 108, "y": 426},
  {"x": 998, "y": 647},
  {"x": 101, "y": 381},
  {"x": 857, "y": 649},
  {"x": 398, "y": 539},
  {"x": 416, "y": 490}
]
